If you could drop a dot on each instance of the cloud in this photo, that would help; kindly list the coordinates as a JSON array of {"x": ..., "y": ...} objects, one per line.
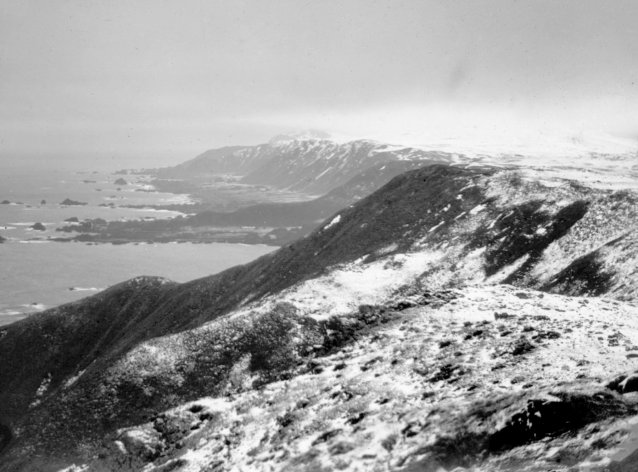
[{"x": 178, "y": 77}]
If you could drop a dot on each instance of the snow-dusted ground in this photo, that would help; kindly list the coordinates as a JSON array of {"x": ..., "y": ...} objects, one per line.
[{"x": 378, "y": 404}]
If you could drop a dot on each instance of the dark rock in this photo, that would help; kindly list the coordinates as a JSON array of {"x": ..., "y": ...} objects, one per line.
[
  {"x": 73, "y": 219},
  {"x": 326, "y": 436},
  {"x": 539, "y": 419},
  {"x": 287, "y": 419},
  {"x": 370, "y": 363},
  {"x": 389, "y": 442},
  {"x": 43, "y": 202},
  {"x": 38, "y": 227},
  {"x": 403, "y": 305},
  {"x": 546, "y": 335},
  {"x": 357, "y": 418},
  {"x": 624, "y": 383},
  {"x": 445, "y": 372},
  {"x": 5, "y": 202},
  {"x": 120, "y": 181},
  {"x": 302, "y": 404},
  {"x": 522, "y": 346},
  {"x": 546, "y": 418},
  {"x": 315, "y": 366},
  {"x": 411, "y": 429}
]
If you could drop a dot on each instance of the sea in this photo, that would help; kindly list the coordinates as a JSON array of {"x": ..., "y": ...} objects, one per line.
[{"x": 37, "y": 273}]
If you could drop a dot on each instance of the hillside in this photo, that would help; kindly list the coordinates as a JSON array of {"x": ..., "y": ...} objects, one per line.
[{"x": 384, "y": 340}]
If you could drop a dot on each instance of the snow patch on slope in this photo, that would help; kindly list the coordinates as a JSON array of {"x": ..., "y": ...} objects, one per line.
[
  {"x": 345, "y": 288},
  {"x": 333, "y": 222}
]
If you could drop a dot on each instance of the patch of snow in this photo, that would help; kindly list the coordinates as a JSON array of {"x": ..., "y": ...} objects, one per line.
[
  {"x": 386, "y": 250},
  {"x": 334, "y": 221},
  {"x": 35, "y": 306},
  {"x": 79, "y": 468},
  {"x": 323, "y": 173},
  {"x": 71, "y": 380},
  {"x": 477, "y": 209},
  {"x": 433, "y": 228},
  {"x": 344, "y": 289},
  {"x": 42, "y": 389}
]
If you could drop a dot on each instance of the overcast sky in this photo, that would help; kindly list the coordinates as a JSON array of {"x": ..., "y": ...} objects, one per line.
[{"x": 173, "y": 78}]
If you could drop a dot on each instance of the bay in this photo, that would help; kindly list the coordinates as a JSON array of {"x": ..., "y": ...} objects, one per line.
[{"x": 38, "y": 273}]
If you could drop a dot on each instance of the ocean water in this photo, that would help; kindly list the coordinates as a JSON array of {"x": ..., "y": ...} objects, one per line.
[{"x": 37, "y": 273}]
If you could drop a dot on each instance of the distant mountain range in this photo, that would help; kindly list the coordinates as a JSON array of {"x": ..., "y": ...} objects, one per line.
[
  {"x": 447, "y": 320},
  {"x": 309, "y": 165}
]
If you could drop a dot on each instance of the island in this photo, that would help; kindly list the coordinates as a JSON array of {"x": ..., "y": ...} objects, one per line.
[{"x": 69, "y": 202}]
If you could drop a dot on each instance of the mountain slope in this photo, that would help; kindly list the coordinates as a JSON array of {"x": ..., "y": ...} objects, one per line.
[{"x": 434, "y": 228}]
